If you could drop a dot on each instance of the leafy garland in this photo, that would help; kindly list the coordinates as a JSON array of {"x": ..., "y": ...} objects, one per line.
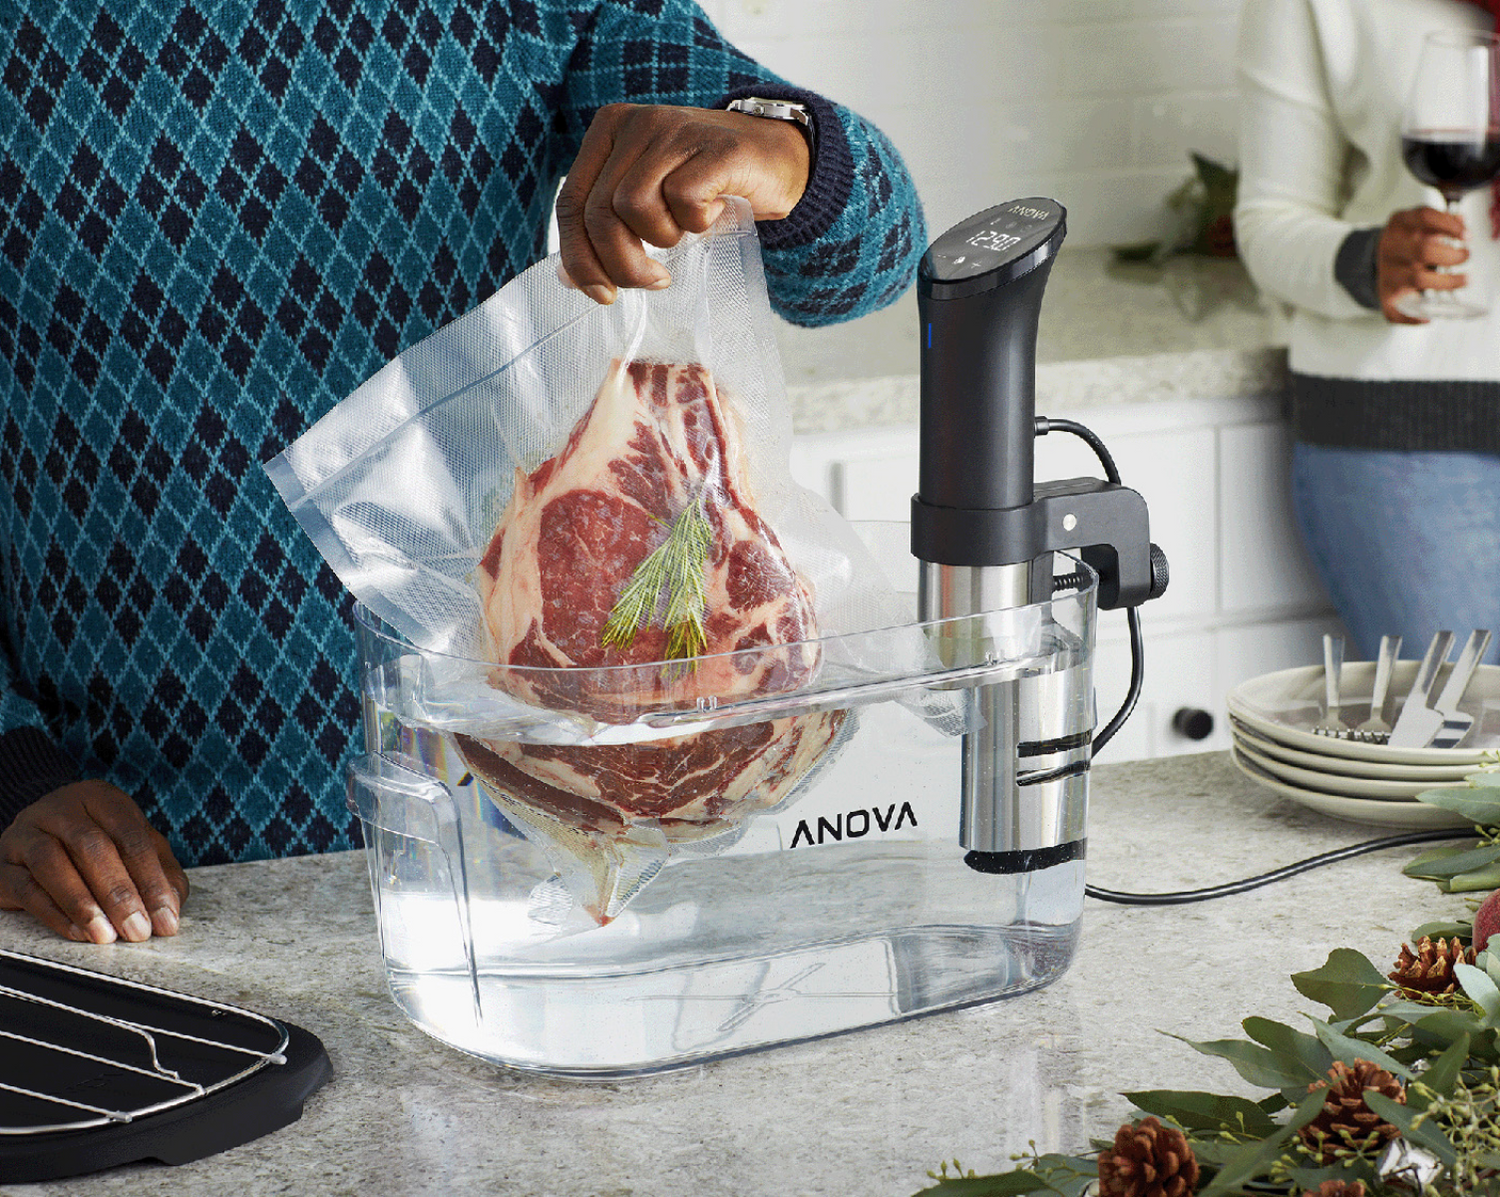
[{"x": 1422, "y": 1115}]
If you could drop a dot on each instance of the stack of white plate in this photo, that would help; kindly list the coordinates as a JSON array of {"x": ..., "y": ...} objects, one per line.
[{"x": 1272, "y": 720}]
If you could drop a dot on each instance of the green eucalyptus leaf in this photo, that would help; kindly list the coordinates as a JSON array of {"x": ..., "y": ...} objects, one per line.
[
  {"x": 1245, "y": 1163},
  {"x": 1350, "y": 1050},
  {"x": 1069, "y": 1175},
  {"x": 1258, "y": 1065},
  {"x": 1051, "y": 1162},
  {"x": 1299, "y": 1046},
  {"x": 1441, "y": 1076},
  {"x": 1480, "y": 989},
  {"x": 1402, "y": 1118},
  {"x": 1347, "y": 983},
  {"x": 1482, "y": 1039},
  {"x": 1254, "y": 1160},
  {"x": 1440, "y": 1023},
  {"x": 1476, "y": 881},
  {"x": 1435, "y": 868},
  {"x": 1444, "y": 929},
  {"x": 1417, "y": 866},
  {"x": 1273, "y": 1103},
  {"x": 1484, "y": 778},
  {"x": 1004, "y": 1184},
  {"x": 1478, "y": 804},
  {"x": 1194, "y": 1111},
  {"x": 1211, "y": 1154}
]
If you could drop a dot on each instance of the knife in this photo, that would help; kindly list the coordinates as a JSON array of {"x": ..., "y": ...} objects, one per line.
[
  {"x": 1456, "y": 723},
  {"x": 1418, "y": 722}
]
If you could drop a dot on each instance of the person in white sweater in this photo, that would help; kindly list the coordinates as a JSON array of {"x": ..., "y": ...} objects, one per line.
[{"x": 1396, "y": 465}]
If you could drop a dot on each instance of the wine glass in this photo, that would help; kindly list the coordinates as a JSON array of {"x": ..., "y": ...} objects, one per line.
[{"x": 1450, "y": 137}]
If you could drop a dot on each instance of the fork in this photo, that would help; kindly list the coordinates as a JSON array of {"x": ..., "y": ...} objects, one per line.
[
  {"x": 1375, "y": 728},
  {"x": 1333, "y": 665}
]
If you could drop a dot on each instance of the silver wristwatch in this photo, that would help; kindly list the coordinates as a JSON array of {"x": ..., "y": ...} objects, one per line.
[{"x": 776, "y": 110}]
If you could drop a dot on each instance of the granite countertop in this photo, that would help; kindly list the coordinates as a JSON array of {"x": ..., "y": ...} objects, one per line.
[
  {"x": 1110, "y": 333},
  {"x": 868, "y": 1112}
]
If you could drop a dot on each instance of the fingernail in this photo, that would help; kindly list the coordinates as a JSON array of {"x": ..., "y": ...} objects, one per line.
[
  {"x": 100, "y": 930},
  {"x": 75, "y": 932},
  {"x": 600, "y": 293},
  {"x": 137, "y": 928},
  {"x": 660, "y": 283},
  {"x": 164, "y": 920}
]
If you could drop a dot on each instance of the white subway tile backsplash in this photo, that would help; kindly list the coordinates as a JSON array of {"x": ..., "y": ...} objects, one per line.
[
  {"x": 1094, "y": 102},
  {"x": 876, "y": 68},
  {"x": 744, "y": 19},
  {"x": 1166, "y": 127},
  {"x": 1021, "y": 139},
  {"x": 1149, "y": 56},
  {"x": 1109, "y": 208}
]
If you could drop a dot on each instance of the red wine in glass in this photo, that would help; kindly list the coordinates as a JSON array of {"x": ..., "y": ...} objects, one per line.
[
  {"x": 1453, "y": 162},
  {"x": 1450, "y": 139}
]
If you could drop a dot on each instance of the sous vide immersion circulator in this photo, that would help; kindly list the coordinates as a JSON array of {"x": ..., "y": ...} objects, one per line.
[{"x": 984, "y": 531}]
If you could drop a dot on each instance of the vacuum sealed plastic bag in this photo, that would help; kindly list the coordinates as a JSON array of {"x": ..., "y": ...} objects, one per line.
[{"x": 583, "y": 517}]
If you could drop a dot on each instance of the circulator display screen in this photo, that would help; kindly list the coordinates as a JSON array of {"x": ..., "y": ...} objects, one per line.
[
  {"x": 994, "y": 239},
  {"x": 991, "y": 239}
]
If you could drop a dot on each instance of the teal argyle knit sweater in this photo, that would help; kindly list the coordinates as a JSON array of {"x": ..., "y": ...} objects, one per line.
[{"x": 217, "y": 218}]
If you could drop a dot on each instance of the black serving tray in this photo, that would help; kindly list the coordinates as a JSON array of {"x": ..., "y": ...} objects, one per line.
[{"x": 96, "y": 1071}]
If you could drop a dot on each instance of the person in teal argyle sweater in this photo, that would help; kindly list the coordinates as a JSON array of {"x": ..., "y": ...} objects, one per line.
[{"x": 217, "y": 218}]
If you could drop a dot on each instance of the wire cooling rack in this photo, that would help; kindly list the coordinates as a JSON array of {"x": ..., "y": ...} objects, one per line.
[{"x": 95, "y": 1071}]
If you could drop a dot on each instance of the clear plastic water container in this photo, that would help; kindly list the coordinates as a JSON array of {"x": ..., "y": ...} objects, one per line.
[{"x": 845, "y": 902}]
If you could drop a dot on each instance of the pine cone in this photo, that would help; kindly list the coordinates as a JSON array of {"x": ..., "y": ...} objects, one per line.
[
  {"x": 1345, "y": 1121},
  {"x": 1429, "y": 971},
  {"x": 1148, "y": 1160},
  {"x": 1338, "y": 1188}
]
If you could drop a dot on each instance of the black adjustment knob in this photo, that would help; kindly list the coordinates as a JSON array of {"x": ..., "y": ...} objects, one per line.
[
  {"x": 1193, "y": 722},
  {"x": 1159, "y": 573}
]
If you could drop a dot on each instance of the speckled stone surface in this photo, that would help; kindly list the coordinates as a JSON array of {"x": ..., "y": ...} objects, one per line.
[
  {"x": 1192, "y": 328},
  {"x": 865, "y": 1113}
]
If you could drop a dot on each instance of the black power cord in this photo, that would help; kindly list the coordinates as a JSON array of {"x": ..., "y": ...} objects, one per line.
[
  {"x": 1044, "y": 425},
  {"x": 1302, "y": 866}
]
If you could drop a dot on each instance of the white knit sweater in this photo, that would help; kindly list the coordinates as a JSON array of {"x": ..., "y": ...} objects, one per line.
[{"x": 1323, "y": 85}]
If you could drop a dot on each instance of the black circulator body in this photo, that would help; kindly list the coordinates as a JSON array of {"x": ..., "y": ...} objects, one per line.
[{"x": 984, "y": 530}]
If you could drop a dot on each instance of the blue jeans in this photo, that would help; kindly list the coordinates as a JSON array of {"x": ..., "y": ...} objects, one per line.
[{"x": 1407, "y": 543}]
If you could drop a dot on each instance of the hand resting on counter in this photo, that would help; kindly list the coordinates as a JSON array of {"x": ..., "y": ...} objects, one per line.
[
  {"x": 1413, "y": 244},
  {"x": 650, "y": 173},
  {"x": 85, "y": 862}
]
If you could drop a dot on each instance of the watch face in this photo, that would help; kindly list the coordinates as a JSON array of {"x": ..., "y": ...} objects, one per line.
[{"x": 782, "y": 110}]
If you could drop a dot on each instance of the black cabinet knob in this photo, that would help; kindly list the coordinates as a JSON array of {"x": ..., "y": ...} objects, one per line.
[{"x": 1193, "y": 722}]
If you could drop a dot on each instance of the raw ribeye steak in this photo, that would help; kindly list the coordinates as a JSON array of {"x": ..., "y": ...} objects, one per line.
[{"x": 658, "y": 451}]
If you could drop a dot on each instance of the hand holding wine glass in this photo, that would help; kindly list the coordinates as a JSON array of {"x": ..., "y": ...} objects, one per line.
[
  {"x": 1419, "y": 249},
  {"x": 1450, "y": 139}
]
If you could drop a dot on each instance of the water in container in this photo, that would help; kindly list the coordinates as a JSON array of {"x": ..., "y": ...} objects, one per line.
[{"x": 845, "y": 903}]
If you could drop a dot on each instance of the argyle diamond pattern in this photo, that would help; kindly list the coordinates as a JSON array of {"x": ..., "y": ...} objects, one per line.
[{"x": 217, "y": 218}]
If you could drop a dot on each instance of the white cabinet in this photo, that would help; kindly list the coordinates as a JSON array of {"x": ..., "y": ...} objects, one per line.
[
  {"x": 1243, "y": 598},
  {"x": 1264, "y": 566}
]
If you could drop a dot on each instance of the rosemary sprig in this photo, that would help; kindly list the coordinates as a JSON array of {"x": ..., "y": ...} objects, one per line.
[{"x": 675, "y": 566}]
